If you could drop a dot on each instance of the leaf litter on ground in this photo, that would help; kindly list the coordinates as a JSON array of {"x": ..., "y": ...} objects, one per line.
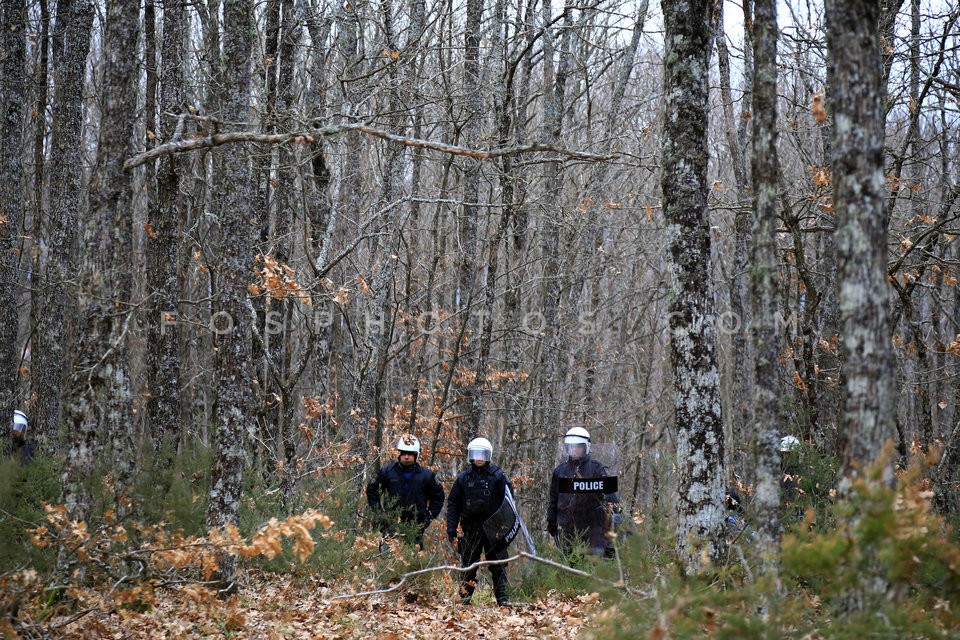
[{"x": 273, "y": 608}]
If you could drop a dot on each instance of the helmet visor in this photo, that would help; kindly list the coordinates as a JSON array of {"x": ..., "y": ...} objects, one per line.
[
  {"x": 576, "y": 449},
  {"x": 478, "y": 454}
]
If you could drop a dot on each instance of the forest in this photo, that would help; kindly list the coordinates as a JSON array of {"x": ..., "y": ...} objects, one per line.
[{"x": 249, "y": 246}]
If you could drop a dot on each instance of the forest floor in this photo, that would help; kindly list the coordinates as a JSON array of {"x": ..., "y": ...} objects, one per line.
[{"x": 267, "y": 607}]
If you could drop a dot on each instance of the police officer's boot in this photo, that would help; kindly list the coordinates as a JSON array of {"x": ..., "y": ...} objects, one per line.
[{"x": 500, "y": 591}]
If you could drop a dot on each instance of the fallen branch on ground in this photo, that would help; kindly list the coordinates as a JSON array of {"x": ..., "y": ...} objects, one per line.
[{"x": 522, "y": 554}]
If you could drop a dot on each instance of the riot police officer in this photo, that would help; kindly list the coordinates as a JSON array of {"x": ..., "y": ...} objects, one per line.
[
  {"x": 409, "y": 488},
  {"x": 476, "y": 495},
  {"x": 574, "y": 516},
  {"x": 20, "y": 448}
]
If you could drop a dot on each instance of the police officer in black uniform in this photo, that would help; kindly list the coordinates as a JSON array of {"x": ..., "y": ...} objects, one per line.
[
  {"x": 477, "y": 493},
  {"x": 581, "y": 517},
  {"x": 409, "y": 488}
]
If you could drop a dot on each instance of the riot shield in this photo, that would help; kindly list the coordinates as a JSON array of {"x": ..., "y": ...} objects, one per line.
[
  {"x": 600, "y": 476},
  {"x": 503, "y": 526},
  {"x": 586, "y": 494}
]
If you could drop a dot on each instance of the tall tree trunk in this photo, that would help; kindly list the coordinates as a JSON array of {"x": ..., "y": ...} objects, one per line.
[
  {"x": 41, "y": 81},
  {"x": 367, "y": 420},
  {"x": 53, "y": 333},
  {"x": 163, "y": 250},
  {"x": 347, "y": 194},
  {"x": 99, "y": 408},
  {"x": 856, "y": 79},
  {"x": 554, "y": 87},
  {"x": 321, "y": 221},
  {"x": 13, "y": 87},
  {"x": 700, "y": 438},
  {"x": 287, "y": 206},
  {"x": 233, "y": 273},
  {"x": 417, "y": 47},
  {"x": 593, "y": 239},
  {"x": 767, "y": 392},
  {"x": 515, "y": 178},
  {"x": 469, "y": 220},
  {"x": 738, "y": 416}
]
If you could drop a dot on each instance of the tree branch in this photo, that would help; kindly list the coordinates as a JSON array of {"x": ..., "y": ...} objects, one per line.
[
  {"x": 450, "y": 567},
  {"x": 309, "y": 137}
]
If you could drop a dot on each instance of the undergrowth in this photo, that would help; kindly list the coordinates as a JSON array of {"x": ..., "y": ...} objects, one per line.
[
  {"x": 875, "y": 563},
  {"x": 886, "y": 566}
]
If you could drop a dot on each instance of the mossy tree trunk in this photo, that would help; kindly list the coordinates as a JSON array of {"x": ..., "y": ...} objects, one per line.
[
  {"x": 99, "y": 405},
  {"x": 12, "y": 113},
  {"x": 856, "y": 77},
  {"x": 693, "y": 333},
  {"x": 166, "y": 217},
  {"x": 768, "y": 414},
  {"x": 233, "y": 272},
  {"x": 53, "y": 333}
]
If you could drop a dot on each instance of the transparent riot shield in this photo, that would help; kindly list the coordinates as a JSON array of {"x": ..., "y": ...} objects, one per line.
[
  {"x": 585, "y": 486},
  {"x": 605, "y": 454}
]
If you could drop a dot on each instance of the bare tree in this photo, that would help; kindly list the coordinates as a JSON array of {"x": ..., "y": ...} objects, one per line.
[
  {"x": 696, "y": 384},
  {"x": 856, "y": 76},
  {"x": 166, "y": 217},
  {"x": 99, "y": 405},
  {"x": 740, "y": 377},
  {"x": 768, "y": 391},
  {"x": 232, "y": 311},
  {"x": 470, "y": 212},
  {"x": 12, "y": 114},
  {"x": 52, "y": 335}
]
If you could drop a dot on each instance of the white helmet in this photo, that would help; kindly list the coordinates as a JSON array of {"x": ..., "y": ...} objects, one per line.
[
  {"x": 576, "y": 436},
  {"x": 479, "y": 449},
  {"x": 789, "y": 443},
  {"x": 19, "y": 422},
  {"x": 409, "y": 443}
]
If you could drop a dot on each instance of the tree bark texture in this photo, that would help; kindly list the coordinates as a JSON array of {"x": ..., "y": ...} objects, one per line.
[
  {"x": 232, "y": 310},
  {"x": 13, "y": 88},
  {"x": 696, "y": 384},
  {"x": 768, "y": 391},
  {"x": 856, "y": 79},
  {"x": 53, "y": 333},
  {"x": 99, "y": 406},
  {"x": 166, "y": 218}
]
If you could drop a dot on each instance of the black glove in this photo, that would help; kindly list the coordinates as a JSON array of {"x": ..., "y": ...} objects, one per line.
[
  {"x": 552, "y": 528},
  {"x": 452, "y": 537}
]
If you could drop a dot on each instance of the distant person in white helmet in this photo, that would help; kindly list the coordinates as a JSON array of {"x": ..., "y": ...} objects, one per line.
[
  {"x": 581, "y": 510},
  {"x": 789, "y": 466},
  {"x": 476, "y": 495},
  {"x": 19, "y": 447},
  {"x": 405, "y": 493}
]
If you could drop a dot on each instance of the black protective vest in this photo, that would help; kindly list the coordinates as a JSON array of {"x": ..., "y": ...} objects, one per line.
[{"x": 476, "y": 495}]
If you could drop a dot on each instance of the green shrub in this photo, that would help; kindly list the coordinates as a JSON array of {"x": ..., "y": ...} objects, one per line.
[
  {"x": 23, "y": 490},
  {"x": 890, "y": 566},
  {"x": 176, "y": 493},
  {"x": 815, "y": 475},
  {"x": 886, "y": 566},
  {"x": 531, "y": 580}
]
